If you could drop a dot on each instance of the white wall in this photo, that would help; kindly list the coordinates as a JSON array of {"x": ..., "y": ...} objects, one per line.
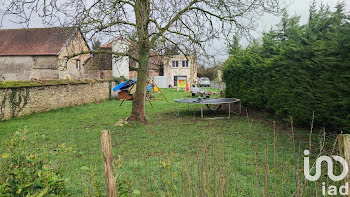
[
  {"x": 161, "y": 81},
  {"x": 120, "y": 65}
]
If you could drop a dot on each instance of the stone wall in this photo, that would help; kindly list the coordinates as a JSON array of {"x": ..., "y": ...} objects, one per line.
[
  {"x": 22, "y": 68},
  {"x": 98, "y": 74},
  {"x": 26, "y": 100},
  {"x": 150, "y": 73},
  {"x": 73, "y": 68}
]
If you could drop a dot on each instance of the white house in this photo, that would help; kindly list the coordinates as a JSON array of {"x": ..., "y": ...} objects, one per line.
[{"x": 120, "y": 65}]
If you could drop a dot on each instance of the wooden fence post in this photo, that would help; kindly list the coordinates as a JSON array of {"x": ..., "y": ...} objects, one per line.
[
  {"x": 108, "y": 163},
  {"x": 344, "y": 151}
]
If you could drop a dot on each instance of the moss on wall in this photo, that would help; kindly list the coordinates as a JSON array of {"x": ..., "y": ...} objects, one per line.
[
  {"x": 3, "y": 99},
  {"x": 19, "y": 84},
  {"x": 18, "y": 99}
]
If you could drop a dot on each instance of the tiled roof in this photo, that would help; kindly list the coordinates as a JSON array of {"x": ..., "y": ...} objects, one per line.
[
  {"x": 34, "y": 41},
  {"x": 107, "y": 46}
]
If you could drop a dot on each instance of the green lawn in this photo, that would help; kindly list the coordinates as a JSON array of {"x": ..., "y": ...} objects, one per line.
[{"x": 171, "y": 156}]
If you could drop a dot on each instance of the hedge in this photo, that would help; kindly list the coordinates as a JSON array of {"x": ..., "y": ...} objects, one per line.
[{"x": 296, "y": 71}]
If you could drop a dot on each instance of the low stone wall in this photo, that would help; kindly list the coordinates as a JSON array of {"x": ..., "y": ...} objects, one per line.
[
  {"x": 98, "y": 74},
  {"x": 25, "y": 100}
]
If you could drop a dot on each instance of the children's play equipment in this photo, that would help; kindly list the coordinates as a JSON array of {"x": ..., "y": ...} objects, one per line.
[
  {"x": 209, "y": 102},
  {"x": 127, "y": 88}
]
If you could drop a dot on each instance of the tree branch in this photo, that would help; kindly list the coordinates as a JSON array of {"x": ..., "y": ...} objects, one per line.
[
  {"x": 104, "y": 51},
  {"x": 175, "y": 18}
]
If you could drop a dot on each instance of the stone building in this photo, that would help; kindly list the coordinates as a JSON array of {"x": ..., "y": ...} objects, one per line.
[
  {"x": 99, "y": 65},
  {"x": 180, "y": 67},
  {"x": 37, "y": 53},
  {"x": 125, "y": 66}
]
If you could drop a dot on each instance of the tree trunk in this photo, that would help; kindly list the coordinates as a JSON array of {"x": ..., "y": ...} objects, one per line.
[
  {"x": 142, "y": 13},
  {"x": 139, "y": 102}
]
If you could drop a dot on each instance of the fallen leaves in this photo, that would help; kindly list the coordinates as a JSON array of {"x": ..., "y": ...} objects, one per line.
[{"x": 122, "y": 122}]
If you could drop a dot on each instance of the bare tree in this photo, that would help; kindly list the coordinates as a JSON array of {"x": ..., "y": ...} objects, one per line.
[{"x": 150, "y": 24}]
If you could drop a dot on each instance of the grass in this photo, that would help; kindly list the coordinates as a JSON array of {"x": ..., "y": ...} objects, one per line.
[{"x": 172, "y": 156}]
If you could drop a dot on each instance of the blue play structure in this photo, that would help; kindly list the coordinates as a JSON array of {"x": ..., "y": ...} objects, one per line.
[
  {"x": 127, "y": 84},
  {"x": 126, "y": 87}
]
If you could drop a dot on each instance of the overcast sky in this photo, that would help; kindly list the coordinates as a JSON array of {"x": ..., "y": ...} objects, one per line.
[
  {"x": 296, "y": 7},
  {"x": 218, "y": 47}
]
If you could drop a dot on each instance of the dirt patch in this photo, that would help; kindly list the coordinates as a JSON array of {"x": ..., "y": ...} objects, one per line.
[{"x": 150, "y": 131}]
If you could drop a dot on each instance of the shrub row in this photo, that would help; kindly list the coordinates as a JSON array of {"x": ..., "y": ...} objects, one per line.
[{"x": 297, "y": 70}]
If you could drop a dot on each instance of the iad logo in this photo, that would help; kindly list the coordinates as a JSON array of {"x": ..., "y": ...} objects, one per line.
[
  {"x": 329, "y": 164},
  {"x": 332, "y": 190}
]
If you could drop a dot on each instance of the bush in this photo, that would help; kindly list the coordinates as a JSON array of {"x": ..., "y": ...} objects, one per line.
[
  {"x": 25, "y": 169},
  {"x": 297, "y": 70}
]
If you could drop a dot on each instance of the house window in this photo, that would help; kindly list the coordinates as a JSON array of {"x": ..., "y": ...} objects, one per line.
[
  {"x": 161, "y": 70},
  {"x": 175, "y": 64},
  {"x": 185, "y": 63},
  {"x": 78, "y": 64}
]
